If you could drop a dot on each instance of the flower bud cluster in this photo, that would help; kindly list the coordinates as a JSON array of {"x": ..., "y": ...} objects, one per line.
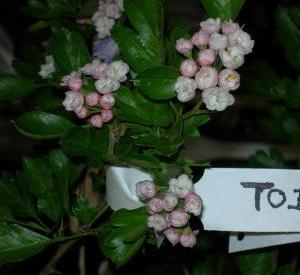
[
  {"x": 221, "y": 47},
  {"x": 96, "y": 106},
  {"x": 169, "y": 212},
  {"x": 47, "y": 69}
]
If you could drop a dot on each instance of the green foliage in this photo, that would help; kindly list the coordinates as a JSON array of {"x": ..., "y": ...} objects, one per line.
[
  {"x": 157, "y": 82},
  {"x": 123, "y": 235},
  {"x": 286, "y": 270},
  {"x": 134, "y": 107},
  {"x": 18, "y": 243},
  {"x": 69, "y": 50},
  {"x": 225, "y": 9},
  {"x": 272, "y": 159},
  {"x": 212, "y": 265},
  {"x": 288, "y": 34},
  {"x": 42, "y": 125},
  {"x": 257, "y": 262},
  {"x": 83, "y": 212},
  {"x": 191, "y": 124},
  {"x": 13, "y": 87},
  {"x": 87, "y": 142},
  {"x": 144, "y": 48}
]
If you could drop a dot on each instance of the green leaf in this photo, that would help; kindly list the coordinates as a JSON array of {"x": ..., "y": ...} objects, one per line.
[
  {"x": 38, "y": 176},
  {"x": 286, "y": 270},
  {"x": 88, "y": 142},
  {"x": 157, "y": 82},
  {"x": 69, "y": 50},
  {"x": 260, "y": 80},
  {"x": 47, "y": 101},
  {"x": 122, "y": 236},
  {"x": 41, "y": 125},
  {"x": 191, "y": 124},
  {"x": 15, "y": 195},
  {"x": 13, "y": 87},
  {"x": 65, "y": 174},
  {"x": 225, "y": 9},
  {"x": 83, "y": 212},
  {"x": 272, "y": 159},
  {"x": 257, "y": 262},
  {"x": 288, "y": 35},
  {"x": 134, "y": 107},
  {"x": 145, "y": 48},
  {"x": 18, "y": 243}
]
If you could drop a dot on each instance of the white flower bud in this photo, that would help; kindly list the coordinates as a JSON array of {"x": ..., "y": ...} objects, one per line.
[
  {"x": 106, "y": 85},
  {"x": 73, "y": 101},
  {"x": 217, "y": 99},
  {"x": 185, "y": 88},
  {"x": 243, "y": 40},
  {"x": 211, "y": 25},
  {"x": 157, "y": 222},
  {"x": 117, "y": 71},
  {"x": 229, "y": 79},
  {"x": 232, "y": 58},
  {"x": 207, "y": 77},
  {"x": 181, "y": 186},
  {"x": 170, "y": 202},
  {"x": 218, "y": 41}
]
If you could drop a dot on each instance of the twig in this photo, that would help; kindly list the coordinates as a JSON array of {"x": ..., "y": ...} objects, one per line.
[
  {"x": 81, "y": 262},
  {"x": 61, "y": 251}
]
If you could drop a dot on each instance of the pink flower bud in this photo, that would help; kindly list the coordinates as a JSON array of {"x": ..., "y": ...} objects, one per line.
[
  {"x": 75, "y": 84},
  {"x": 83, "y": 113},
  {"x": 157, "y": 222},
  {"x": 155, "y": 205},
  {"x": 229, "y": 79},
  {"x": 188, "y": 239},
  {"x": 172, "y": 235},
  {"x": 178, "y": 218},
  {"x": 229, "y": 27},
  {"x": 218, "y": 41},
  {"x": 184, "y": 45},
  {"x": 206, "y": 57},
  {"x": 181, "y": 186},
  {"x": 200, "y": 38},
  {"x": 96, "y": 121},
  {"x": 207, "y": 77},
  {"x": 170, "y": 202},
  {"x": 107, "y": 101},
  {"x": 107, "y": 115},
  {"x": 188, "y": 68},
  {"x": 92, "y": 99},
  {"x": 193, "y": 204},
  {"x": 145, "y": 189}
]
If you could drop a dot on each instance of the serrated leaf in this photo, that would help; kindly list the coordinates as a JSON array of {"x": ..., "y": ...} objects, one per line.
[
  {"x": 88, "y": 142},
  {"x": 122, "y": 236},
  {"x": 191, "y": 124},
  {"x": 225, "y": 9},
  {"x": 83, "y": 212},
  {"x": 18, "y": 243},
  {"x": 134, "y": 107},
  {"x": 65, "y": 174},
  {"x": 42, "y": 125},
  {"x": 69, "y": 50},
  {"x": 38, "y": 176},
  {"x": 157, "y": 82}
]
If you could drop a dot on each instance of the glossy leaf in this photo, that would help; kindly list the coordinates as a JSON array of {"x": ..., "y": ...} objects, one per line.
[
  {"x": 83, "y": 212},
  {"x": 191, "y": 124},
  {"x": 158, "y": 82},
  {"x": 38, "y": 177},
  {"x": 18, "y": 243},
  {"x": 13, "y": 87},
  {"x": 69, "y": 50},
  {"x": 88, "y": 142},
  {"x": 65, "y": 173},
  {"x": 134, "y": 107},
  {"x": 42, "y": 125},
  {"x": 225, "y": 9},
  {"x": 122, "y": 236}
]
